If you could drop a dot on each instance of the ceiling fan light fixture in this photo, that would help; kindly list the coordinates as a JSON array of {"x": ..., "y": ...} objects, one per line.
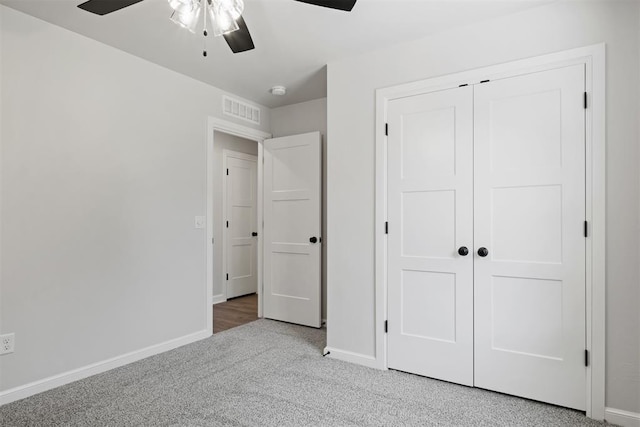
[
  {"x": 222, "y": 21},
  {"x": 187, "y": 12},
  {"x": 187, "y": 20},
  {"x": 233, "y": 7},
  {"x": 184, "y": 6}
]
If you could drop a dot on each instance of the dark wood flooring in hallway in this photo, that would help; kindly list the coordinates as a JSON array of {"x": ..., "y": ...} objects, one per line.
[{"x": 235, "y": 312}]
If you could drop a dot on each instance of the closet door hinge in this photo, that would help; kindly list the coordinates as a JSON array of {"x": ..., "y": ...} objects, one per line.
[
  {"x": 386, "y": 227},
  {"x": 586, "y": 229},
  {"x": 386, "y": 129},
  {"x": 586, "y": 358},
  {"x": 386, "y": 326},
  {"x": 585, "y": 100}
]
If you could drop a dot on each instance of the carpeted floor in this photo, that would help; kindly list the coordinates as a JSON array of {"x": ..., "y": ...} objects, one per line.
[{"x": 267, "y": 373}]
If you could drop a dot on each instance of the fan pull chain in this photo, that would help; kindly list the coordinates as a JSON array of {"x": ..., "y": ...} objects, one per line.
[
  {"x": 204, "y": 52},
  {"x": 204, "y": 32}
]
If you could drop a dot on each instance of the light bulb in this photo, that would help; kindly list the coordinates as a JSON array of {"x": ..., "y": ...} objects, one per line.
[
  {"x": 221, "y": 20},
  {"x": 187, "y": 20},
  {"x": 233, "y": 7},
  {"x": 184, "y": 6}
]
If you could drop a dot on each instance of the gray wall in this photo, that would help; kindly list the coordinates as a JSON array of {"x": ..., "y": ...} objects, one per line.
[
  {"x": 300, "y": 118},
  {"x": 223, "y": 141},
  {"x": 103, "y": 170},
  {"x": 551, "y": 28}
]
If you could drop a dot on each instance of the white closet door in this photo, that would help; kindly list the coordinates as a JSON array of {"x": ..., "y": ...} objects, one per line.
[
  {"x": 292, "y": 212},
  {"x": 430, "y": 208},
  {"x": 241, "y": 184},
  {"x": 529, "y": 213}
]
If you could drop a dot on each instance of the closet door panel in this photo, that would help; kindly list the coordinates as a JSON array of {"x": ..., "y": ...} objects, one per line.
[
  {"x": 430, "y": 285},
  {"x": 529, "y": 196}
]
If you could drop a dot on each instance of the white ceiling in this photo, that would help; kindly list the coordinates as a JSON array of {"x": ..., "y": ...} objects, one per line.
[{"x": 294, "y": 41}]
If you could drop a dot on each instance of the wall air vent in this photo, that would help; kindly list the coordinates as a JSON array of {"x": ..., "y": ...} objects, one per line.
[{"x": 240, "y": 110}]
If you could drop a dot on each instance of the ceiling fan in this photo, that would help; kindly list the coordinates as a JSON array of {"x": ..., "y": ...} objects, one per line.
[{"x": 235, "y": 33}]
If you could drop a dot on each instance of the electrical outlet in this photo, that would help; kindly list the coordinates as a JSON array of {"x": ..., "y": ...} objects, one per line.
[{"x": 7, "y": 343}]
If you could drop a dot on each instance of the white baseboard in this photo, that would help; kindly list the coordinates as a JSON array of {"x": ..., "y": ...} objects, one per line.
[
  {"x": 357, "y": 358},
  {"x": 622, "y": 418},
  {"x": 49, "y": 383},
  {"x": 217, "y": 299}
]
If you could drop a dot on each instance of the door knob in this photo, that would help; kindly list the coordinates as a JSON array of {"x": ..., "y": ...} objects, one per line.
[
  {"x": 463, "y": 251},
  {"x": 254, "y": 234},
  {"x": 483, "y": 252},
  {"x": 313, "y": 239}
]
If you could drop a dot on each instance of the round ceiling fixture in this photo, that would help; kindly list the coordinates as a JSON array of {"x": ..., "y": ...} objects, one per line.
[{"x": 278, "y": 90}]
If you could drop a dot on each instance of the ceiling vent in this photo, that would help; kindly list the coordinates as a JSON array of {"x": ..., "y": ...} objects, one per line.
[{"x": 240, "y": 110}]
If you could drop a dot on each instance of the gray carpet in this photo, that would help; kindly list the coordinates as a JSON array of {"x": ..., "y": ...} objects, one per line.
[{"x": 268, "y": 373}]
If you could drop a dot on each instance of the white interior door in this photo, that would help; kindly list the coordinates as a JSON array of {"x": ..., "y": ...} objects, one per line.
[
  {"x": 430, "y": 219},
  {"x": 529, "y": 216},
  {"x": 292, "y": 214},
  {"x": 241, "y": 224}
]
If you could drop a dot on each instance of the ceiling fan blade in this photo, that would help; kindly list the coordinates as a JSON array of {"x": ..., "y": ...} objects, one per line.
[
  {"x": 345, "y": 5},
  {"x": 240, "y": 40},
  {"x": 102, "y": 7}
]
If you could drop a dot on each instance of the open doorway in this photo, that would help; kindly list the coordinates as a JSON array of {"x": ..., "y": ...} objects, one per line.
[
  {"x": 235, "y": 231},
  {"x": 287, "y": 225}
]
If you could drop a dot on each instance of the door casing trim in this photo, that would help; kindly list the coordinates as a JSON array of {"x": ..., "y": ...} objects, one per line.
[{"x": 593, "y": 57}]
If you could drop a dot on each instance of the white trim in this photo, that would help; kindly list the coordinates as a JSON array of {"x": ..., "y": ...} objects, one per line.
[
  {"x": 380, "y": 240},
  {"x": 239, "y": 155},
  {"x": 217, "y": 299},
  {"x": 593, "y": 57},
  {"x": 242, "y": 131},
  {"x": 225, "y": 158},
  {"x": 49, "y": 383},
  {"x": 223, "y": 247},
  {"x": 596, "y": 243},
  {"x": 220, "y": 125},
  {"x": 260, "y": 225},
  {"x": 622, "y": 418},
  {"x": 348, "y": 356}
]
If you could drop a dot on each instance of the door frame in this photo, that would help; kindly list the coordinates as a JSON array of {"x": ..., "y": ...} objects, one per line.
[
  {"x": 593, "y": 57},
  {"x": 226, "y": 154},
  {"x": 220, "y": 125}
]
